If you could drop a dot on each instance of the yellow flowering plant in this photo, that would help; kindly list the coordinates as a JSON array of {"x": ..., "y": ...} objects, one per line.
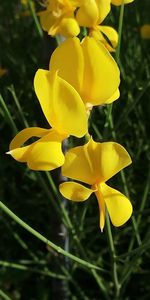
[
  {"x": 82, "y": 74},
  {"x": 58, "y": 18},
  {"x": 94, "y": 164},
  {"x": 54, "y": 95},
  {"x": 88, "y": 67}
]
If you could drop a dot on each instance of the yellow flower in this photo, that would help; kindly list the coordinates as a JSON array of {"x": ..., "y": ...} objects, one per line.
[
  {"x": 145, "y": 31},
  {"x": 91, "y": 14},
  {"x": 119, "y": 2},
  {"x": 64, "y": 111},
  {"x": 58, "y": 18},
  {"x": 94, "y": 164},
  {"x": 89, "y": 68},
  {"x": 100, "y": 32}
]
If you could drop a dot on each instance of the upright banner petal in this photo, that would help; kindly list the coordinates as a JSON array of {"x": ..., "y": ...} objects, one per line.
[
  {"x": 99, "y": 69},
  {"x": 88, "y": 67},
  {"x": 68, "y": 60},
  {"x": 61, "y": 104}
]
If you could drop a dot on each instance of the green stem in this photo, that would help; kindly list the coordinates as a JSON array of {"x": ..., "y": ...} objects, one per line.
[
  {"x": 113, "y": 257},
  {"x": 45, "y": 240},
  {"x": 74, "y": 235},
  {"x": 8, "y": 115},
  {"x": 33, "y": 12},
  {"x": 120, "y": 31},
  {"x": 12, "y": 265},
  {"x": 4, "y": 296}
]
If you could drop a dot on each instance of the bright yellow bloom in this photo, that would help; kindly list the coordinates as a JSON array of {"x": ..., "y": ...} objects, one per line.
[
  {"x": 58, "y": 18},
  {"x": 94, "y": 164},
  {"x": 91, "y": 14},
  {"x": 100, "y": 32},
  {"x": 64, "y": 111},
  {"x": 89, "y": 68},
  {"x": 145, "y": 31},
  {"x": 119, "y": 2}
]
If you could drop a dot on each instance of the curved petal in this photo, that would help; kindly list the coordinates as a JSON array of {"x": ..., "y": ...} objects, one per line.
[
  {"x": 68, "y": 60},
  {"x": 99, "y": 37},
  {"x": 119, "y": 2},
  {"x": 44, "y": 154},
  {"x": 69, "y": 27},
  {"x": 114, "y": 97},
  {"x": 61, "y": 104},
  {"x": 44, "y": 89},
  {"x": 25, "y": 135},
  {"x": 111, "y": 34},
  {"x": 104, "y": 9},
  {"x": 119, "y": 207},
  {"x": 99, "y": 69},
  {"x": 95, "y": 162},
  {"x": 81, "y": 163},
  {"x": 75, "y": 191},
  {"x": 87, "y": 14},
  {"x": 112, "y": 158},
  {"x": 47, "y": 20}
]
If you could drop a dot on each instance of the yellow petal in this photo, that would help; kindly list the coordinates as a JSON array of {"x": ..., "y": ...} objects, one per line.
[
  {"x": 110, "y": 158},
  {"x": 95, "y": 162},
  {"x": 47, "y": 20},
  {"x": 44, "y": 154},
  {"x": 69, "y": 27},
  {"x": 61, "y": 104},
  {"x": 87, "y": 14},
  {"x": 68, "y": 59},
  {"x": 145, "y": 31},
  {"x": 25, "y": 135},
  {"x": 111, "y": 34},
  {"x": 119, "y": 207},
  {"x": 102, "y": 210},
  {"x": 119, "y": 2},
  {"x": 75, "y": 191},
  {"x": 99, "y": 37},
  {"x": 104, "y": 9},
  {"x": 99, "y": 69},
  {"x": 44, "y": 88},
  {"x": 114, "y": 97},
  {"x": 81, "y": 163}
]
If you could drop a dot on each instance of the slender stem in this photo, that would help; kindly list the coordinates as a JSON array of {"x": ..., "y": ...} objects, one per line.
[
  {"x": 33, "y": 12},
  {"x": 120, "y": 31},
  {"x": 45, "y": 240},
  {"x": 113, "y": 257},
  {"x": 8, "y": 115},
  {"x": 12, "y": 265},
  {"x": 4, "y": 296},
  {"x": 75, "y": 236}
]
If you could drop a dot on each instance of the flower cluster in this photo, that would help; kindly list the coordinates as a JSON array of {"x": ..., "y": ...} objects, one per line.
[{"x": 82, "y": 74}]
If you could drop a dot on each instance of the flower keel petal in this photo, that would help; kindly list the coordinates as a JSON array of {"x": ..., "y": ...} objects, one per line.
[{"x": 75, "y": 191}]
